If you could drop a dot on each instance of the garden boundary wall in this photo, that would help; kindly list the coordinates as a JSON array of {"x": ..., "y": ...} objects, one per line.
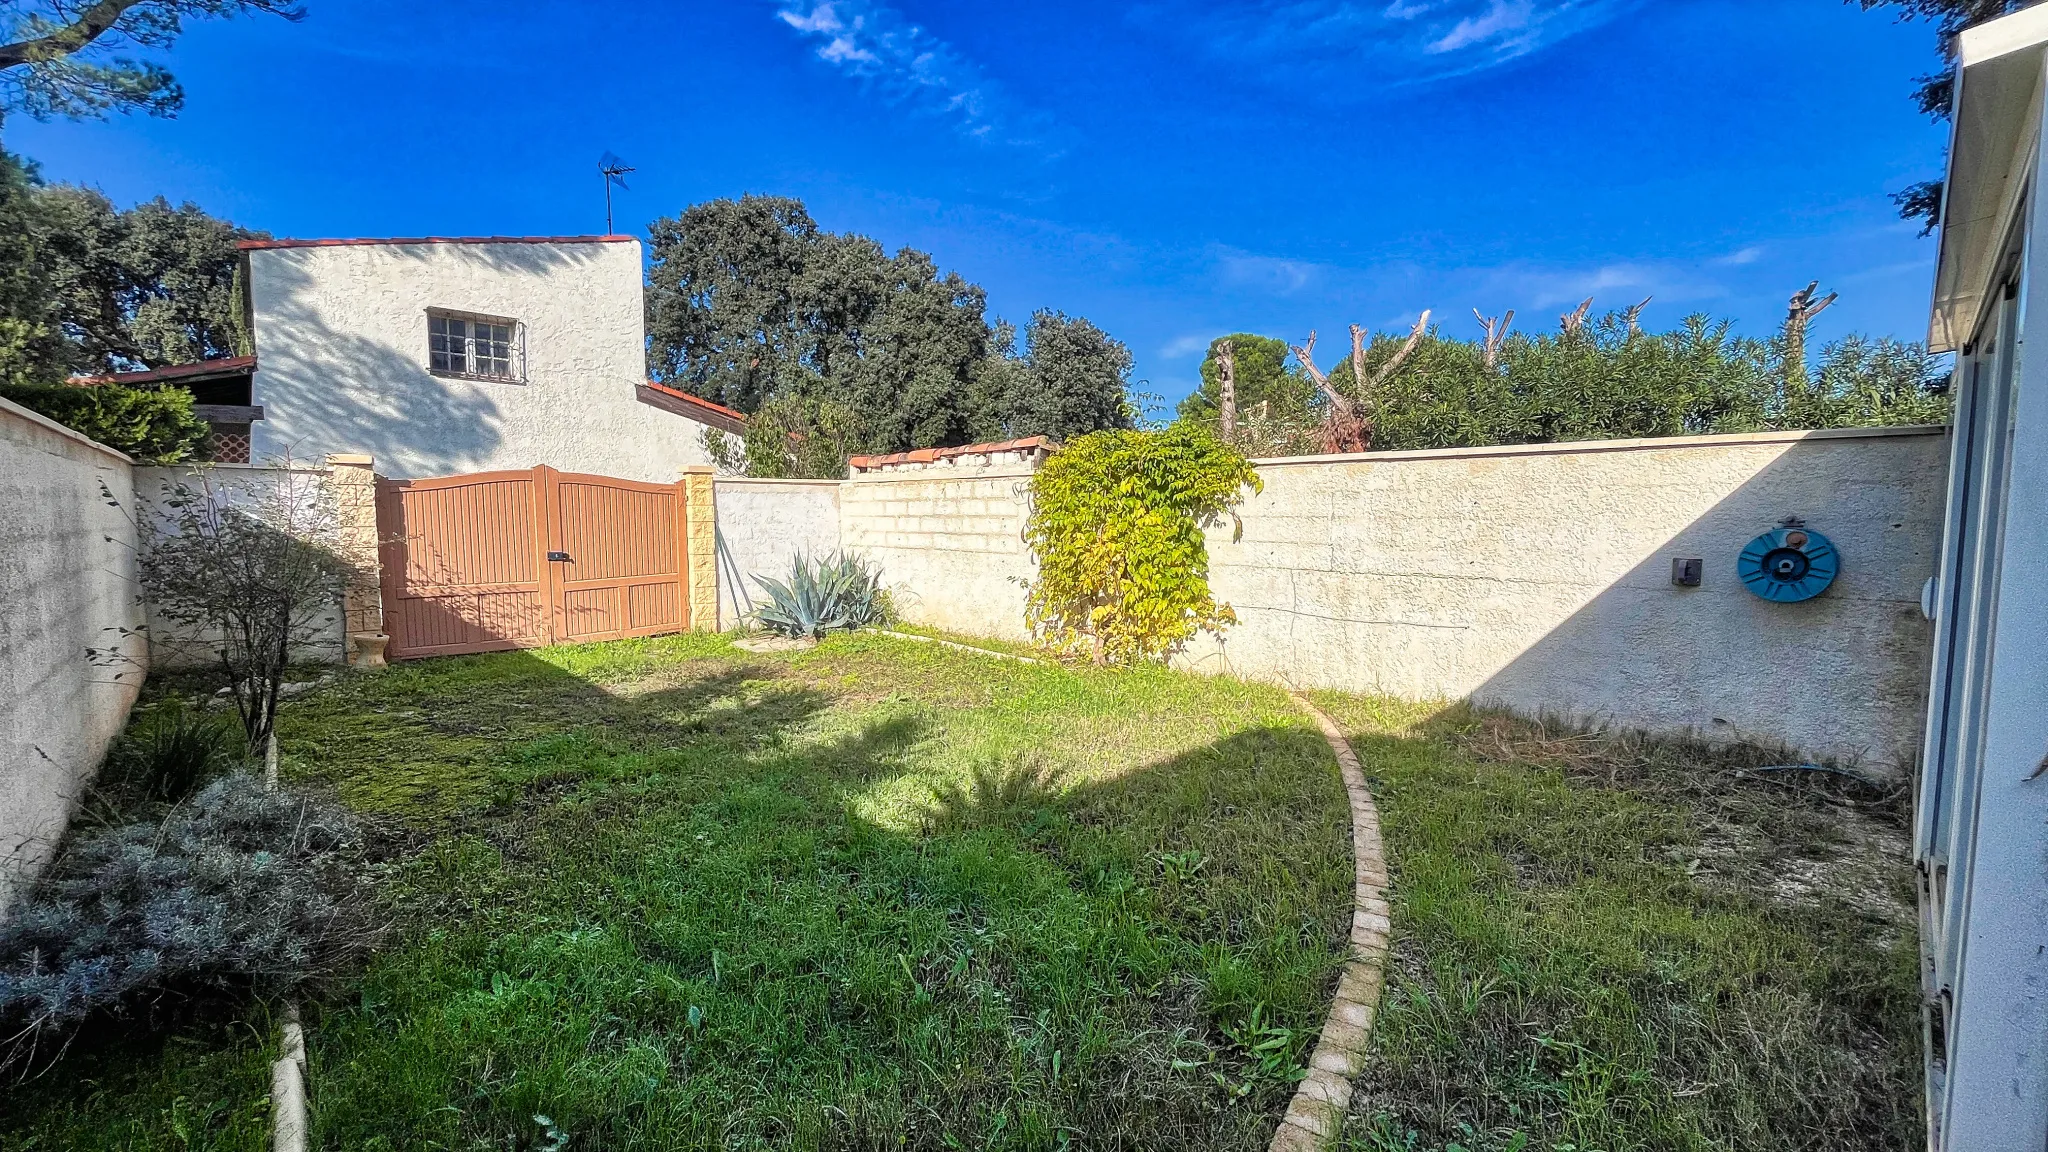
[
  {"x": 763, "y": 525},
  {"x": 68, "y": 580},
  {"x": 1533, "y": 577}
]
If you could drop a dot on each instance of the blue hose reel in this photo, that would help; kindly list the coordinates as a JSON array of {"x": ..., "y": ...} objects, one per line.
[{"x": 1788, "y": 564}]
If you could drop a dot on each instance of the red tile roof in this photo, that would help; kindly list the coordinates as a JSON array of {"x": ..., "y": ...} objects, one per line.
[
  {"x": 253, "y": 245},
  {"x": 225, "y": 366},
  {"x": 694, "y": 407},
  {"x": 930, "y": 455},
  {"x": 679, "y": 394}
]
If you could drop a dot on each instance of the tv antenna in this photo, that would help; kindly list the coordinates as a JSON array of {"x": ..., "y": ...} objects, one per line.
[{"x": 614, "y": 170}]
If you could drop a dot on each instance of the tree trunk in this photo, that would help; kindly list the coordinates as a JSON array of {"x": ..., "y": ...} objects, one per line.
[{"x": 1226, "y": 386}]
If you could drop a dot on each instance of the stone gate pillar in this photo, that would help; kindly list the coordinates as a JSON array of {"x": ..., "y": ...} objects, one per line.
[{"x": 354, "y": 482}]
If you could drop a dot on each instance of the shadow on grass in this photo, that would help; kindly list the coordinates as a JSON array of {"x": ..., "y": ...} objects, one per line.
[{"x": 639, "y": 899}]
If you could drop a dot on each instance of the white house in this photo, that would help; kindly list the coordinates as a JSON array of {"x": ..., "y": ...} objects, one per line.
[
  {"x": 1981, "y": 835},
  {"x": 440, "y": 356}
]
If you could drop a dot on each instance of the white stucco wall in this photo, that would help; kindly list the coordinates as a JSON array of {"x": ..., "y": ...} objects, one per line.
[
  {"x": 949, "y": 537},
  {"x": 341, "y": 347},
  {"x": 1540, "y": 578},
  {"x": 762, "y": 526},
  {"x": 67, "y": 578},
  {"x": 1536, "y": 577}
]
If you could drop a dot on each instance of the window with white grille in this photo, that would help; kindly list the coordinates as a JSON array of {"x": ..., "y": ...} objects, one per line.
[{"x": 487, "y": 347}]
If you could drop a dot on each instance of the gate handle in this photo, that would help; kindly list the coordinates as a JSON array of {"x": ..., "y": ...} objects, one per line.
[{"x": 561, "y": 556}]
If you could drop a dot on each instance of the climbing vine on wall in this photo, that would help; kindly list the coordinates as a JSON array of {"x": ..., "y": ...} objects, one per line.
[{"x": 1116, "y": 524}]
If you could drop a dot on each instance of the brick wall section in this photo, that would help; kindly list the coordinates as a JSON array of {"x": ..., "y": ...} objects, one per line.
[
  {"x": 947, "y": 528},
  {"x": 353, "y": 481}
]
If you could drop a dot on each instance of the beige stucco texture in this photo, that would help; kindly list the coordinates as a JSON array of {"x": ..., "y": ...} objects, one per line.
[
  {"x": 1539, "y": 578},
  {"x": 342, "y": 353},
  {"x": 67, "y": 559}
]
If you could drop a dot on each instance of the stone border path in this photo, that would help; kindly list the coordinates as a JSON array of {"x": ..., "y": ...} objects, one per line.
[{"x": 1316, "y": 1115}]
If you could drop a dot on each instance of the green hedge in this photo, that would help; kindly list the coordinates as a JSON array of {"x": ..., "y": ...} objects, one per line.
[{"x": 153, "y": 425}]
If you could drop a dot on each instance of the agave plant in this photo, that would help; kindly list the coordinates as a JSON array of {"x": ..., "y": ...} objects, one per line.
[{"x": 838, "y": 590}]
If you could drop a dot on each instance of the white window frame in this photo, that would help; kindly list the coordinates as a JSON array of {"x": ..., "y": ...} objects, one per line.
[{"x": 515, "y": 372}]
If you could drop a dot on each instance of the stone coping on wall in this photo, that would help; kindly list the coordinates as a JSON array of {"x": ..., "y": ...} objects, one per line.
[
  {"x": 1028, "y": 451},
  {"x": 779, "y": 480},
  {"x": 1571, "y": 447},
  {"x": 48, "y": 425}
]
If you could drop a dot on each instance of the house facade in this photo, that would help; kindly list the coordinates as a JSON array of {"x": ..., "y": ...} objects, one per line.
[
  {"x": 439, "y": 356},
  {"x": 1981, "y": 829}
]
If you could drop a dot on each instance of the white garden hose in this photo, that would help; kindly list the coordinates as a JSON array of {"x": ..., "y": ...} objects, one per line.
[{"x": 288, "y": 1072}]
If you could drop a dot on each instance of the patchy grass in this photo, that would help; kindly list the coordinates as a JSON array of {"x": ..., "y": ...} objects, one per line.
[
  {"x": 663, "y": 894},
  {"x": 1611, "y": 944}
]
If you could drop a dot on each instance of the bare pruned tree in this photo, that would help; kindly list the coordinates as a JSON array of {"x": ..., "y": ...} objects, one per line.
[
  {"x": 1799, "y": 313},
  {"x": 1346, "y": 426},
  {"x": 1496, "y": 335},
  {"x": 1574, "y": 321},
  {"x": 1633, "y": 314},
  {"x": 1226, "y": 387}
]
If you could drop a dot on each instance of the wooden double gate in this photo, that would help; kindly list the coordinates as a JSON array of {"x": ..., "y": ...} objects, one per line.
[{"x": 501, "y": 560}]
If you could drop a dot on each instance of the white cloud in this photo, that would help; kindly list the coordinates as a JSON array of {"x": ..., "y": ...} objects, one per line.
[
  {"x": 877, "y": 44},
  {"x": 1184, "y": 346},
  {"x": 1277, "y": 275},
  {"x": 1741, "y": 257},
  {"x": 1386, "y": 41},
  {"x": 1610, "y": 285}
]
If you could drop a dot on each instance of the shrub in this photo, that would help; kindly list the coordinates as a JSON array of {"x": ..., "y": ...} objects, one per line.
[
  {"x": 170, "y": 751},
  {"x": 836, "y": 591},
  {"x": 1117, "y": 522},
  {"x": 239, "y": 890},
  {"x": 153, "y": 425}
]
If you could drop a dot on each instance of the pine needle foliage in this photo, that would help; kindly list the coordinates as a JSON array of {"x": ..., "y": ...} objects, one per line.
[{"x": 1116, "y": 525}]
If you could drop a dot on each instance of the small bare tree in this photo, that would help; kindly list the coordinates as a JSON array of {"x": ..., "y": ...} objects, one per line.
[
  {"x": 1226, "y": 387},
  {"x": 1496, "y": 334},
  {"x": 1798, "y": 314},
  {"x": 1574, "y": 322},
  {"x": 1347, "y": 427},
  {"x": 254, "y": 570},
  {"x": 1633, "y": 315}
]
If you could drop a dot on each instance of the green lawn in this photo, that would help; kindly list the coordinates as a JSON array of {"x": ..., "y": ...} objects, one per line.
[
  {"x": 665, "y": 894},
  {"x": 668, "y": 895}
]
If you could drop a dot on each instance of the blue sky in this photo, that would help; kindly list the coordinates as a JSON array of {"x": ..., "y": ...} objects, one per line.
[{"x": 1172, "y": 169}]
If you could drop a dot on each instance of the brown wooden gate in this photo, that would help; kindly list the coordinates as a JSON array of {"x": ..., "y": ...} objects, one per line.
[{"x": 501, "y": 560}]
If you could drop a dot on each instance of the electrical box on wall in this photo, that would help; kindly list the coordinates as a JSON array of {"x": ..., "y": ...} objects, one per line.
[{"x": 1685, "y": 571}]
